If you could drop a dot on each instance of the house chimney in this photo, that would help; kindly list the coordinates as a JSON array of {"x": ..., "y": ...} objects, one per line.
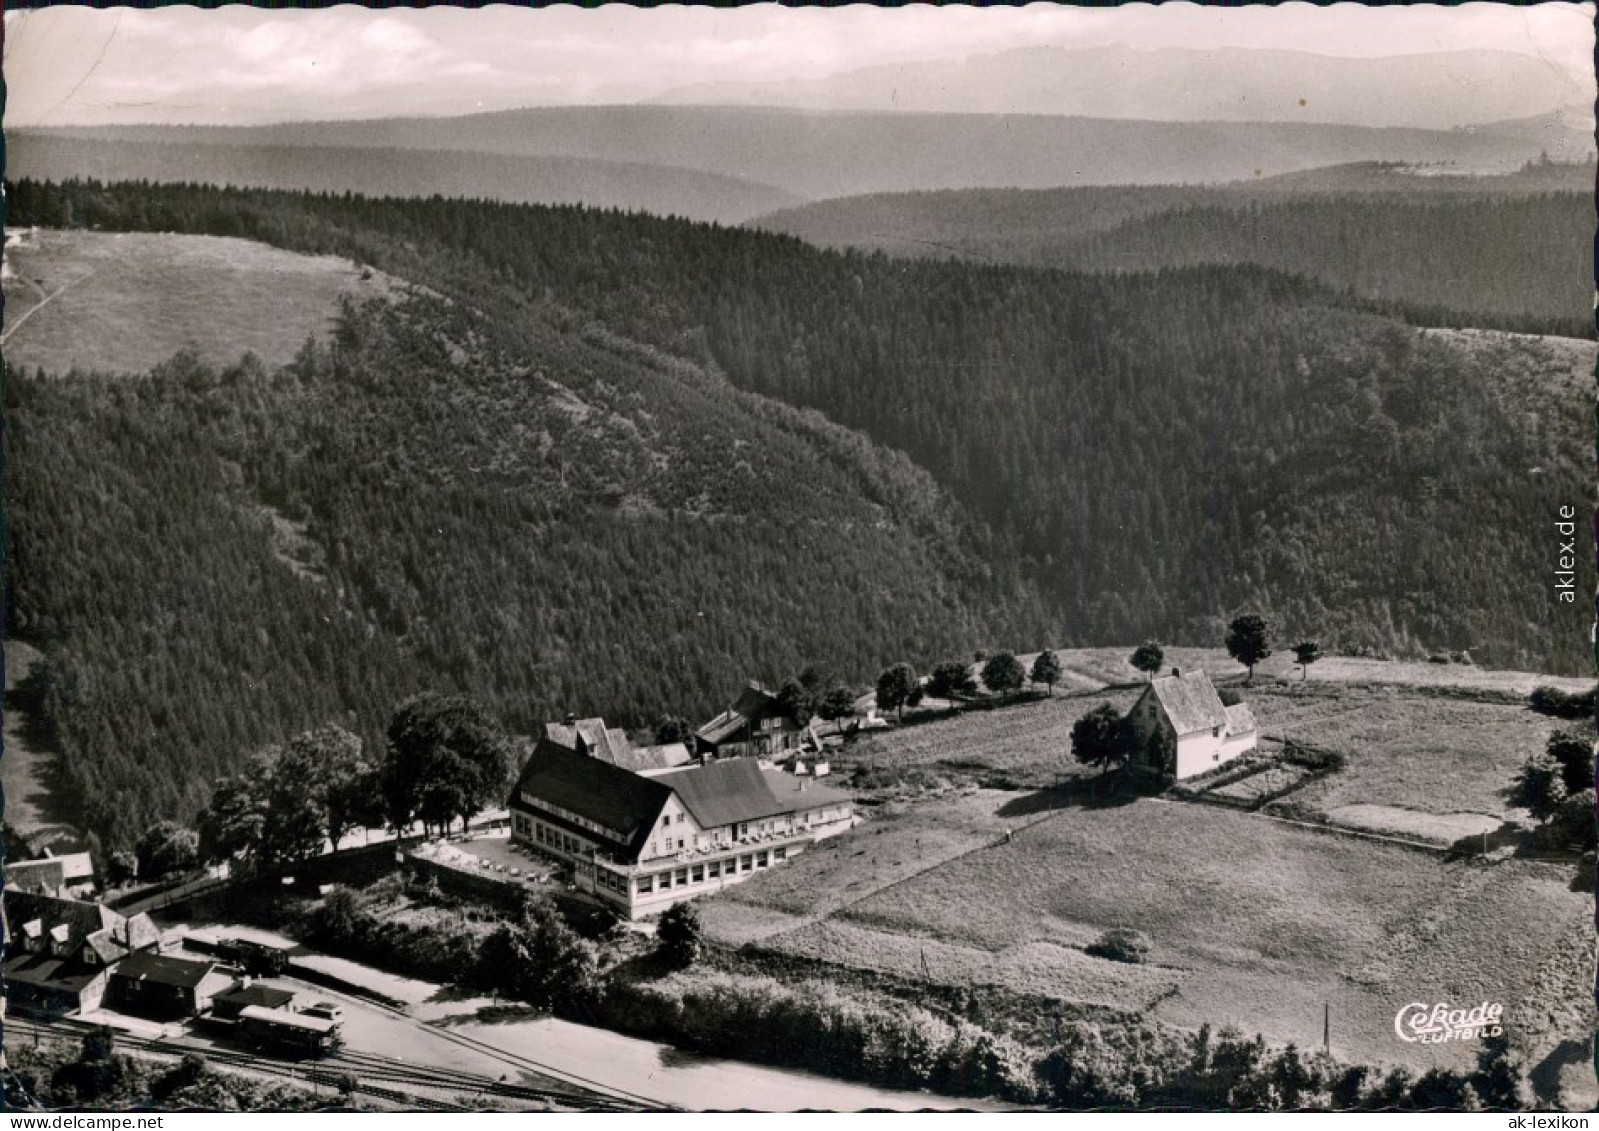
[
  {"x": 1176, "y": 672},
  {"x": 571, "y": 718}
]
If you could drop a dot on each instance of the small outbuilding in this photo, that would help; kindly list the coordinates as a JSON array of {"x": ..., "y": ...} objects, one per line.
[
  {"x": 164, "y": 986},
  {"x": 229, "y": 1004}
]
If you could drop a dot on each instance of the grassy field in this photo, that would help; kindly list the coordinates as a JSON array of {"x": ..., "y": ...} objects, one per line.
[
  {"x": 1253, "y": 922},
  {"x": 896, "y": 844},
  {"x": 121, "y": 303},
  {"x": 30, "y": 808},
  {"x": 1092, "y": 668},
  {"x": 1432, "y": 748},
  {"x": 1435, "y": 755},
  {"x": 1025, "y": 745}
]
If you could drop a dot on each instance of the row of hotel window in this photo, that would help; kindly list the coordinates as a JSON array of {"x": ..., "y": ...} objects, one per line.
[
  {"x": 725, "y": 836},
  {"x": 564, "y": 842},
  {"x": 549, "y": 837},
  {"x": 695, "y": 873}
]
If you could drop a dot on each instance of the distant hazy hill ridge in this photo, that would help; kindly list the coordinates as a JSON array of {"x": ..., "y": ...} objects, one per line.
[
  {"x": 765, "y": 151},
  {"x": 393, "y": 171},
  {"x": 1437, "y": 90}
]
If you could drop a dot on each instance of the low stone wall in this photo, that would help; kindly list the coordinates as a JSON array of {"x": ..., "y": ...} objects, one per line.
[{"x": 504, "y": 892}]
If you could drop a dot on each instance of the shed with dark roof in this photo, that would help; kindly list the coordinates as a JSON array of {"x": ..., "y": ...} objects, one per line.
[
  {"x": 165, "y": 986},
  {"x": 230, "y": 1003}
]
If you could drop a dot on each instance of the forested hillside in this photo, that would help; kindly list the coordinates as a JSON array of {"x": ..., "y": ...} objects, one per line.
[
  {"x": 215, "y": 560},
  {"x": 503, "y": 493},
  {"x": 1512, "y": 252}
]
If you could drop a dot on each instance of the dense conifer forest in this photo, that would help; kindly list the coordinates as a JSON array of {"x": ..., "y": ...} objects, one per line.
[{"x": 615, "y": 464}]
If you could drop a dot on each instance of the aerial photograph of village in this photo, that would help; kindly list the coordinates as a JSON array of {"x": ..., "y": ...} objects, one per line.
[{"x": 781, "y": 559}]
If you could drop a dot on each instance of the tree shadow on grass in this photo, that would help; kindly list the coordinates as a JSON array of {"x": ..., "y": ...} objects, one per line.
[
  {"x": 1583, "y": 879},
  {"x": 1507, "y": 835},
  {"x": 1545, "y": 1075},
  {"x": 501, "y": 1013},
  {"x": 1109, "y": 792},
  {"x": 673, "y": 1056},
  {"x": 455, "y": 992}
]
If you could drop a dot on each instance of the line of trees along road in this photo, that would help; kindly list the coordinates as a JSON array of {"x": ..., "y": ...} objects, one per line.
[{"x": 830, "y": 456}]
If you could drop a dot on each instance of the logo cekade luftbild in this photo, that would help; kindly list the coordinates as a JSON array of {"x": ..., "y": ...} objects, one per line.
[{"x": 1420, "y": 1023}]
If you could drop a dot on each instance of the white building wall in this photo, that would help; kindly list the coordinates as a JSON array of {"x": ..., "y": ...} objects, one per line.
[
  {"x": 675, "y": 875},
  {"x": 1199, "y": 752},
  {"x": 1235, "y": 744},
  {"x": 674, "y": 824}
]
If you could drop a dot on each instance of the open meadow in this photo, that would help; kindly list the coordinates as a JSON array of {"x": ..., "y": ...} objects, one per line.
[
  {"x": 1094, "y": 668},
  {"x": 124, "y": 302},
  {"x": 1020, "y": 746},
  {"x": 1329, "y": 921},
  {"x": 26, "y": 763},
  {"x": 1404, "y": 751},
  {"x": 1430, "y": 759},
  {"x": 995, "y": 861}
]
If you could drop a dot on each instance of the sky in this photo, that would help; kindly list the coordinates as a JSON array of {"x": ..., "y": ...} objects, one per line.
[{"x": 240, "y": 65}]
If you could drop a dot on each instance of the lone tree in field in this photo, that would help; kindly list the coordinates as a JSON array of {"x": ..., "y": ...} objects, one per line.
[
  {"x": 1572, "y": 751},
  {"x": 678, "y": 936},
  {"x": 1101, "y": 738},
  {"x": 1539, "y": 787},
  {"x": 895, "y": 687},
  {"x": 1149, "y": 658},
  {"x": 1306, "y": 652},
  {"x": 1046, "y": 670},
  {"x": 1249, "y": 641},
  {"x": 1003, "y": 673},
  {"x": 950, "y": 679}
]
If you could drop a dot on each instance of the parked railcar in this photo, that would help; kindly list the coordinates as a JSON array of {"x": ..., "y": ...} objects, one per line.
[{"x": 283, "y": 1031}]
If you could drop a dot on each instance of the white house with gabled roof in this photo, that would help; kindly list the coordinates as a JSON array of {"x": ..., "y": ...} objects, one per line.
[{"x": 1183, "y": 728}]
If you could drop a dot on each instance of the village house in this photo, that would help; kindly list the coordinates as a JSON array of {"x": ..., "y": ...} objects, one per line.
[
  {"x": 42, "y": 877},
  {"x": 1183, "y": 729},
  {"x": 165, "y": 987},
  {"x": 59, "y": 951},
  {"x": 641, "y": 842},
  {"x": 610, "y": 744},
  {"x": 54, "y": 872},
  {"x": 755, "y": 726}
]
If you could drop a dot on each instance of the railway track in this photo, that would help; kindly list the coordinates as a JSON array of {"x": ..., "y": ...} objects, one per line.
[{"x": 376, "y": 1076}]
